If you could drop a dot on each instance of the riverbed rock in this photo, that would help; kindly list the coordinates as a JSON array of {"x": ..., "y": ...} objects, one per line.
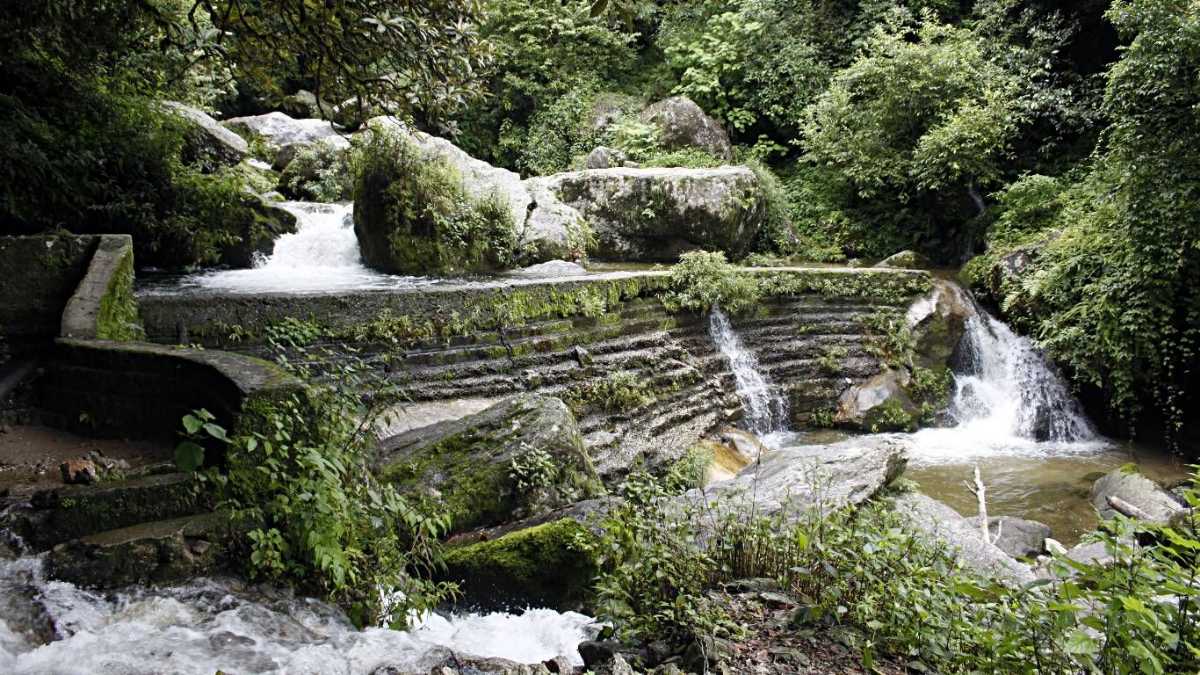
[
  {"x": 78, "y": 472},
  {"x": 206, "y": 142},
  {"x": 158, "y": 552},
  {"x": 881, "y": 403},
  {"x": 1019, "y": 538},
  {"x": 655, "y": 214},
  {"x": 683, "y": 124},
  {"x": 943, "y": 527},
  {"x": 261, "y": 222},
  {"x": 1132, "y": 487},
  {"x": 521, "y": 457},
  {"x": 800, "y": 479},
  {"x": 906, "y": 259}
]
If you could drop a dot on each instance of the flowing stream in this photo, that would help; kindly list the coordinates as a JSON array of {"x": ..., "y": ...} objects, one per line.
[
  {"x": 210, "y": 625},
  {"x": 766, "y": 408}
]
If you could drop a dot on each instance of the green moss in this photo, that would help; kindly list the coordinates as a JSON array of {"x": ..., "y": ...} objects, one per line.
[
  {"x": 546, "y": 564},
  {"x": 118, "y": 316}
]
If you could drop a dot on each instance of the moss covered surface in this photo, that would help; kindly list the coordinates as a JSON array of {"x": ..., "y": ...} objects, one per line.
[
  {"x": 118, "y": 315},
  {"x": 547, "y": 565}
]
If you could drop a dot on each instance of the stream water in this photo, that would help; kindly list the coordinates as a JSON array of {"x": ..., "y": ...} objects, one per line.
[{"x": 212, "y": 625}]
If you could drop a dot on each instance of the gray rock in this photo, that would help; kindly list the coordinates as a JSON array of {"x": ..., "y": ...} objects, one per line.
[
  {"x": 1137, "y": 490},
  {"x": 799, "y": 479},
  {"x": 683, "y": 124},
  {"x": 937, "y": 323},
  {"x": 943, "y": 527},
  {"x": 603, "y": 157},
  {"x": 207, "y": 142},
  {"x": 335, "y": 145},
  {"x": 521, "y": 457},
  {"x": 304, "y": 104},
  {"x": 277, "y": 130},
  {"x": 906, "y": 259},
  {"x": 656, "y": 214},
  {"x": 551, "y": 229},
  {"x": 881, "y": 403},
  {"x": 550, "y": 269},
  {"x": 1019, "y": 538}
]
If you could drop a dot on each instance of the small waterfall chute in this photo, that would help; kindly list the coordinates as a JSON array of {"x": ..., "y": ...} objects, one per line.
[{"x": 765, "y": 406}]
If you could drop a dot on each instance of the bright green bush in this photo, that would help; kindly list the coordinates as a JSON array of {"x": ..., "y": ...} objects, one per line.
[{"x": 702, "y": 280}]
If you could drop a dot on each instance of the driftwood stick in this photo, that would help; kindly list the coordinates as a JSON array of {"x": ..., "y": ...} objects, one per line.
[
  {"x": 1127, "y": 509},
  {"x": 980, "y": 492}
]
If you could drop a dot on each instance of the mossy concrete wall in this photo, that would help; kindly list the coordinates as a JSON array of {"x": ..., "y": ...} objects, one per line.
[
  {"x": 103, "y": 305},
  {"x": 140, "y": 390},
  {"x": 38, "y": 275}
]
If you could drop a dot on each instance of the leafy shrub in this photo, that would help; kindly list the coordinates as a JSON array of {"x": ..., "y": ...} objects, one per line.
[
  {"x": 702, "y": 280},
  {"x": 320, "y": 173},
  {"x": 619, "y": 391},
  {"x": 298, "y": 478},
  {"x": 421, "y": 218}
]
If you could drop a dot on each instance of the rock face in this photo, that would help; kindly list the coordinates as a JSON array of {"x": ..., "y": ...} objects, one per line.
[
  {"x": 551, "y": 230},
  {"x": 1135, "y": 489},
  {"x": 1019, "y": 538},
  {"x": 207, "y": 142},
  {"x": 823, "y": 477},
  {"x": 943, "y": 527},
  {"x": 683, "y": 124},
  {"x": 521, "y": 457},
  {"x": 656, "y": 214},
  {"x": 881, "y": 403}
]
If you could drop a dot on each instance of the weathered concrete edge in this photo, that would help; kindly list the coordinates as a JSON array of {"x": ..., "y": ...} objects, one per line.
[{"x": 103, "y": 305}]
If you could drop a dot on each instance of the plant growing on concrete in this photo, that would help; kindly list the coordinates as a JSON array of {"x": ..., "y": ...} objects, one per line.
[{"x": 703, "y": 280}]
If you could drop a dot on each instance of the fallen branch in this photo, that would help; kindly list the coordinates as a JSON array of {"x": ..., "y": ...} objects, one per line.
[
  {"x": 980, "y": 492},
  {"x": 1126, "y": 509}
]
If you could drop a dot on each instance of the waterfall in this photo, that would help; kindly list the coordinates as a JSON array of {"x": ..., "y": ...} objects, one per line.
[
  {"x": 766, "y": 409},
  {"x": 322, "y": 255}
]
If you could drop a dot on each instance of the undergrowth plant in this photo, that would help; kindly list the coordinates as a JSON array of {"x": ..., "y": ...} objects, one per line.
[{"x": 702, "y": 280}]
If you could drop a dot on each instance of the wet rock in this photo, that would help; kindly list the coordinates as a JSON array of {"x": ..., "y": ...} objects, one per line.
[
  {"x": 1127, "y": 486},
  {"x": 1019, "y": 538},
  {"x": 656, "y": 214},
  {"x": 603, "y": 157},
  {"x": 463, "y": 664},
  {"x": 596, "y": 653},
  {"x": 683, "y": 124},
  {"x": 937, "y": 323},
  {"x": 943, "y": 527},
  {"x": 521, "y": 457},
  {"x": 262, "y": 221},
  {"x": 825, "y": 478},
  {"x": 78, "y": 472},
  {"x": 881, "y": 403},
  {"x": 157, "y": 552},
  {"x": 206, "y": 142},
  {"x": 907, "y": 259}
]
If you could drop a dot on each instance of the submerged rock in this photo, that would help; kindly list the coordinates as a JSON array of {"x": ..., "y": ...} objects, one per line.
[
  {"x": 683, "y": 124},
  {"x": 1019, "y": 538},
  {"x": 656, "y": 214},
  {"x": 206, "y": 142},
  {"x": 943, "y": 527},
  {"x": 519, "y": 458},
  {"x": 1130, "y": 487}
]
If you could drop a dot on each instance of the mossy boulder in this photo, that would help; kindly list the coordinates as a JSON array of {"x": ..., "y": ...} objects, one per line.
[
  {"x": 682, "y": 124},
  {"x": 522, "y": 457},
  {"x": 549, "y": 564},
  {"x": 937, "y": 323},
  {"x": 207, "y": 143},
  {"x": 260, "y": 222},
  {"x": 656, "y": 214},
  {"x": 906, "y": 259}
]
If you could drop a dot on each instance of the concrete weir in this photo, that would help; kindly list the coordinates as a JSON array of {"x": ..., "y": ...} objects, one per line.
[{"x": 588, "y": 340}]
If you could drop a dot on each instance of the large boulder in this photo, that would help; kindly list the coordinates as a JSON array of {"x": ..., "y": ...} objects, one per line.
[
  {"x": 278, "y": 130},
  {"x": 881, "y": 403},
  {"x": 1017, "y": 537},
  {"x": 1127, "y": 486},
  {"x": 656, "y": 214},
  {"x": 796, "y": 480},
  {"x": 943, "y": 528},
  {"x": 937, "y": 323},
  {"x": 603, "y": 157},
  {"x": 521, "y": 457},
  {"x": 206, "y": 142},
  {"x": 262, "y": 222},
  {"x": 683, "y": 124}
]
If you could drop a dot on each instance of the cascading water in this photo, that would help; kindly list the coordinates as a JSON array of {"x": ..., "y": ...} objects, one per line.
[
  {"x": 207, "y": 626},
  {"x": 1008, "y": 399},
  {"x": 766, "y": 409},
  {"x": 322, "y": 255}
]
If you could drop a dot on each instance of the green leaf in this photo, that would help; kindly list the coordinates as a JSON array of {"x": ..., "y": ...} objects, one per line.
[
  {"x": 189, "y": 456},
  {"x": 216, "y": 431},
  {"x": 192, "y": 424}
]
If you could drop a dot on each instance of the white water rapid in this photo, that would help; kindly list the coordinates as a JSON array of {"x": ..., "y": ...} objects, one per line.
[
  {"x": 765, "y": 406},
  {"x": 322, "y": 255},
  {"x": 207, "y": 626},
  {"x": 1007, "y": 399}
]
